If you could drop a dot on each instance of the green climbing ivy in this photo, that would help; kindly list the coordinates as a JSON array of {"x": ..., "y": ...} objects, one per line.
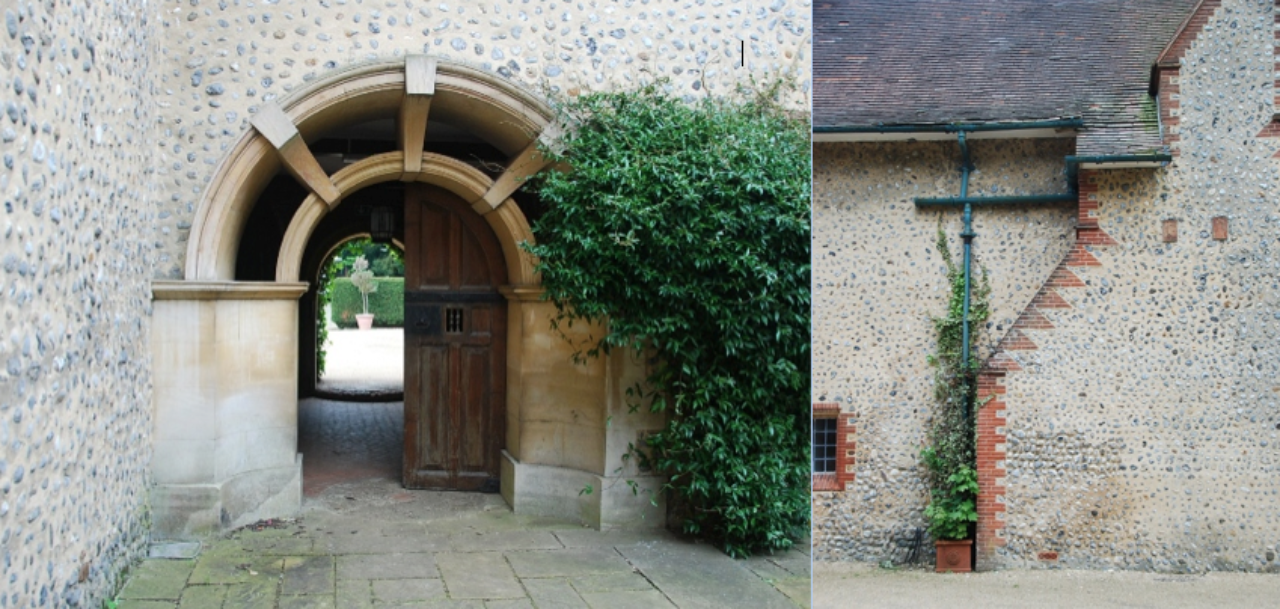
[
  {"x": 686, "y": 227},
  {"x": 950, "y": 460}
]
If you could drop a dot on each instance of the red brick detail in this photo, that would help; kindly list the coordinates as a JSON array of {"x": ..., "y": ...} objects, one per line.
[
  {"x": 1169, "y": 231},
  {"x": 1015, "y": 340},
  {"x": 1220, "y": 228},
  {"x": 1080, "y": 256},
  {"x": 1170, "y": 107},
  {"x": 1271, "y": 130},
  {"x": 1049, "y": 298},
  {"x": 1087, "y": 230},
  {"x": 826, "y": 408},
  {"x": 1168, "y": 66},
  {"x": 991, "y": 390},
  {"x": 1047, "y": 556},
  {"x": 1064, "y": 278},
  {"x": 846, "y": 447},
  {"x": 991, "y": 455},
  {"x": 1033, "y": 319},
  {"x": 1187, "y": 33},
  {"x": 1002, "y": 362}
]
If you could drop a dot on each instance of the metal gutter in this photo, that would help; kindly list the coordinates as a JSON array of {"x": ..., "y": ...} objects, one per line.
[
  {"x": 1001, "y": 130},
  {"x": 1112, "y": 161},
  {"x": 1066, "y": 197},
  {"x": 1074, "y": 163}
]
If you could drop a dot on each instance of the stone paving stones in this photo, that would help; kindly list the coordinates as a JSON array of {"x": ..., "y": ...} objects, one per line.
[
  {"x": 567, "y": 562},
  {"x": 692, "y": 576},
  {"x": 483, "y": 575},
  {"x": 158, "y": 580},
  {"x": 647, "y": 599},
  {"x": 405, "y": 590},
  {"x": 202, "y": 597},
  {"x": 354, "y": 593},
  {"x": 259, "y": 593},
  {"x": 387, "y": 566},
  {"x": 553, "y": 594},
  {"x": 504, "y": 540},
  {"x": 307, "y": 602},
  {"x": 132, "y": 604},
  {"x": 522, "y": 603},
  {"x": 388, "y": 547},
  {"x": 630, "y": 581},
  {"x": 309, "y": 575},
  {"x": 359, "y": 543},
  {"x": 230, "y": 565},
  {"x": 463, "y": 560},
  {"x": 579, "y": 537}
]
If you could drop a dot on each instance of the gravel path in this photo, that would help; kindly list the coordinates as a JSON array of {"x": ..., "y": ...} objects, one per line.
[
  {"x": 839, "y": 585},
  {"x": 365, "y": 362}
]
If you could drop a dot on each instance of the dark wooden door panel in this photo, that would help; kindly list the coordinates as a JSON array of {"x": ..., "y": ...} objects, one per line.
[{"x": 455, "y": 345}]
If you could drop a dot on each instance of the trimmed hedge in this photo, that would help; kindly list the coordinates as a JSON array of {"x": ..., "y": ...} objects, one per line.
[{"x": 386, "y": 304}]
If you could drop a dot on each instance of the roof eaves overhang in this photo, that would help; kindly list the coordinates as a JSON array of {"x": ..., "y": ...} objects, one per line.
[{"x": 937, "y": 132}]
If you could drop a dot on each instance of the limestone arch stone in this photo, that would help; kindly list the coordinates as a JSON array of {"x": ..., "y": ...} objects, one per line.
[
  {"x": 507, "y": 221},
  {"x": 499, "y": 112}
]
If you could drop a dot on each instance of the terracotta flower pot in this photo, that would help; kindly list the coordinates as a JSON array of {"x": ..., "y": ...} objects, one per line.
[
  {"x": 364, "y": 321},
  {"x": 954, "y": 556}
]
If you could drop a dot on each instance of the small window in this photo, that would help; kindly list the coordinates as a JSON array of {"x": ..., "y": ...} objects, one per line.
[
  {"x": 824, "y": 445},
  {"x": 832, "y": 447},
  {"x": 453, "y": 320}
]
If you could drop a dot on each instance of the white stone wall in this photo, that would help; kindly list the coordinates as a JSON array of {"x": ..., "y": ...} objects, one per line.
[
  {"x": 877, "y": 282},
  {"x": 76, "y": 251},
  {"x": 222, "y": 59}
]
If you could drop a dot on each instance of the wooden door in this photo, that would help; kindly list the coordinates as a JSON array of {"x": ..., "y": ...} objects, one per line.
[{"x": 455, "y": 344}]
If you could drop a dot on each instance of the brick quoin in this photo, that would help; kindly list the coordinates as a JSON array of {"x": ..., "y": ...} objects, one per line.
[
  {"x": 1273, "y": 128},
  {"x": 991, "y": 419},
  {"x": 1168, "y": 76}
]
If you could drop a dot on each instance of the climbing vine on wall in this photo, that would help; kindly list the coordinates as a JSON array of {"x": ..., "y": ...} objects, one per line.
[
  {"x": 686, "y": 227},
  {"x": 951, "y": 457}
]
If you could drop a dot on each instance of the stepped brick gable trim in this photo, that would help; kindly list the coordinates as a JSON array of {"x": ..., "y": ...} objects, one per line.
[
  {"x": 991, "y": 380},
  {"x": 1167, "y": 71},
  {"x": 1273, "y": 128}
]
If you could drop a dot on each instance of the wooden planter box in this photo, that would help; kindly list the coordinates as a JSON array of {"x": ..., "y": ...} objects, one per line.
[{"x": 954, "y": 556}]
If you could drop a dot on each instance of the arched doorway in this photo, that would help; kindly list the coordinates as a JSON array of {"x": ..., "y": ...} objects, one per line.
[{"x": 558, "y": 428}]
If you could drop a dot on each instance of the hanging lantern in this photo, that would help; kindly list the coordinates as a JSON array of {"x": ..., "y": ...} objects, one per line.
[{"x": 381, "y": 225}]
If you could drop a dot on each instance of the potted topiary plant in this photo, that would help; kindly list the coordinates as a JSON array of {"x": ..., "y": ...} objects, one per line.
[
  {"x": 362, "y": 278},
  {"x": 951, "y": 459}
]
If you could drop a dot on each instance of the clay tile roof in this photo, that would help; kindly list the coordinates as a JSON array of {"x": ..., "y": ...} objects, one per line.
[{"x": 929, "y": 62}]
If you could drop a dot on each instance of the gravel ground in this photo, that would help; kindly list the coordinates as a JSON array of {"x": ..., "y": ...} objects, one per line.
[
  {"x": 838, "y": 585},
  {"x": 368, "y": 362}
]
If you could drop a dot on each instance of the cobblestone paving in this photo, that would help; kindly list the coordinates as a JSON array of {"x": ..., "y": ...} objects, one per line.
[
  {"x": 363, "y": 541},
  {"x": 348, "y": 441}
]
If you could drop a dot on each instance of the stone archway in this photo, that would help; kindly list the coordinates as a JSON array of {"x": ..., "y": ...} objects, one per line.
[{"x": 226, "y": 350}]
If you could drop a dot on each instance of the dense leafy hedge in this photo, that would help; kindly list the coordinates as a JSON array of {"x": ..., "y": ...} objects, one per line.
[
  {"x": 386, "y": 304},
  {"x": 687, "y": 227}
]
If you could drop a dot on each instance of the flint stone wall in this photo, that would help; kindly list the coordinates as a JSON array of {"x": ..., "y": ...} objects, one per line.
[
  {"x": 76, "y": 249},
  {"x": 877, "y": 282},
  {"x": 1144, "y": 433},
  {"x": 222, "y": 59}
]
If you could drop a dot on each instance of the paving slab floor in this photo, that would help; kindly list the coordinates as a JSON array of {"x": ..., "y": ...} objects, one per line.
[{"x": 363, "y": 541}]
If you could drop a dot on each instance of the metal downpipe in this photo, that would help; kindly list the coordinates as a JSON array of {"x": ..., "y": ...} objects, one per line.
[{"x": 968, "y": 235}]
